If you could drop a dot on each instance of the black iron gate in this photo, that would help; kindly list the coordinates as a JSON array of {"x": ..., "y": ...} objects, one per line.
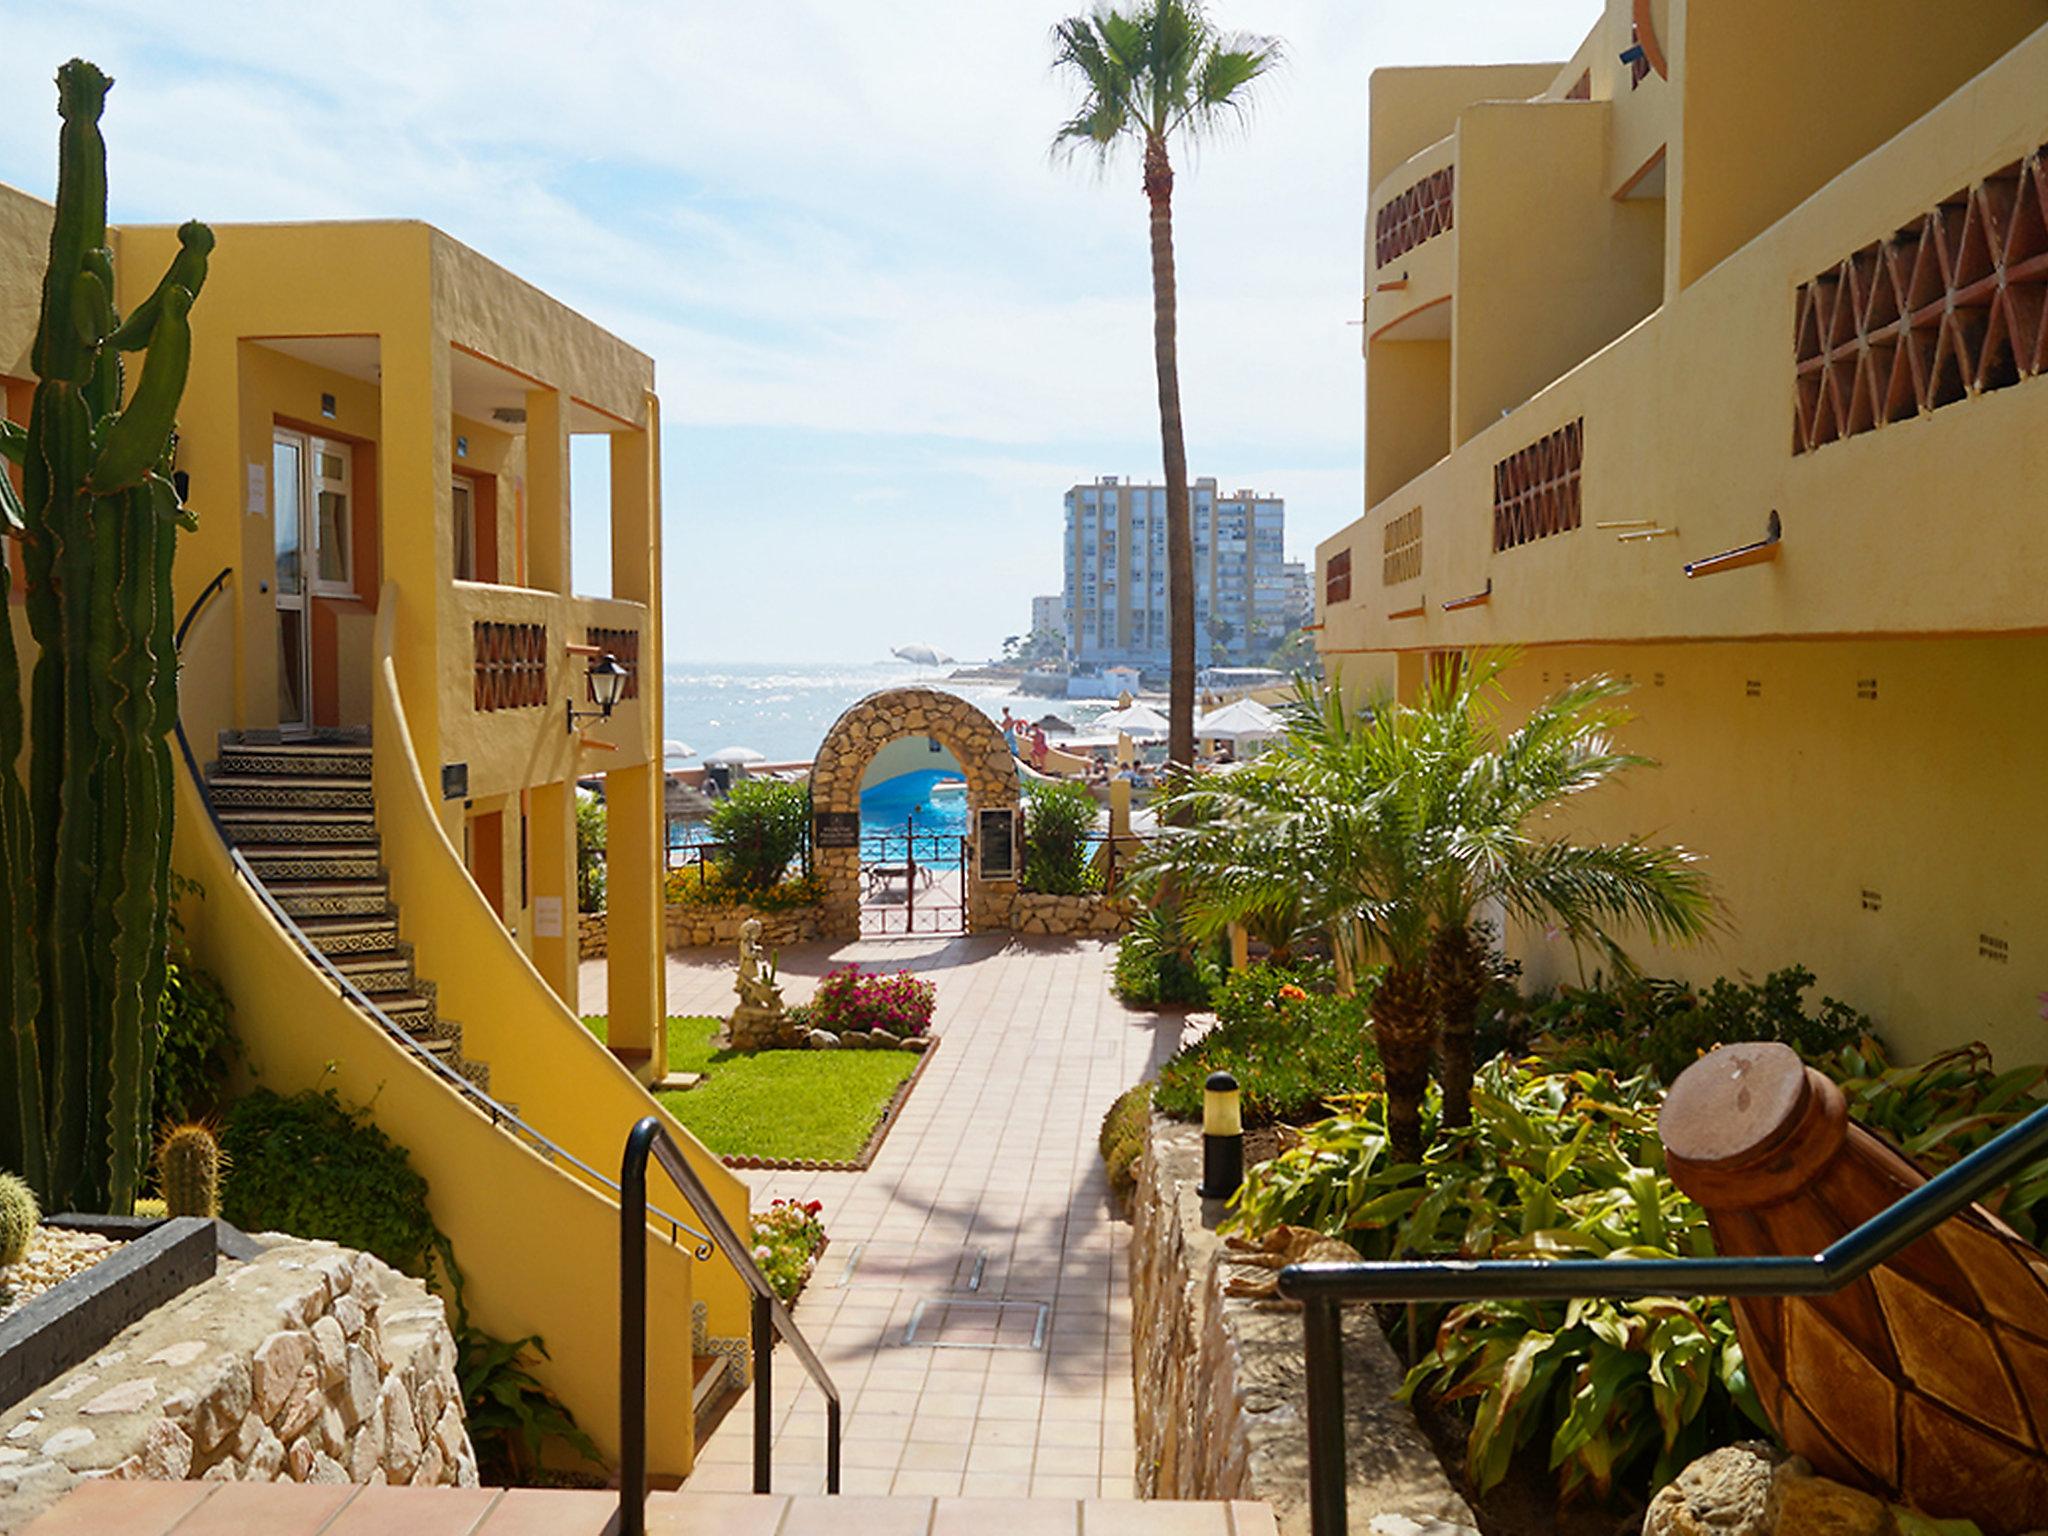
[{"x": 913, "y": 880}]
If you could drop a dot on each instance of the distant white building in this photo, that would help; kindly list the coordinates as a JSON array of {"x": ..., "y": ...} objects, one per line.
[
  {"x": 1049, "y": 613},
  {"x": 1115, "y": 574}
]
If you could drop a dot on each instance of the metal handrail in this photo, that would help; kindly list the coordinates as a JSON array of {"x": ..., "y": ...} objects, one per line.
[
  {"x": 499, "y": 1114},
  {"x": 771, "y": 1320},
  {"x": 1323, "y": 1289}
]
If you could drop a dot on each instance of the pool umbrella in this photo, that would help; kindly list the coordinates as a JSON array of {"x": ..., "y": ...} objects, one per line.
[
  {"x": 674, "y": 748},
  {"x": 735, "y": 757},
  {"x": 1140, "y": 721},
  {"x": 921, "y": 653},
  {"x": 1245, "y": 720}
]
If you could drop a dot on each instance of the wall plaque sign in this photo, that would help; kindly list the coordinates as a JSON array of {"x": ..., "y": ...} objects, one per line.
[
  {"x": 997, "y": 840},
  {"x": 835, "y": 829}
]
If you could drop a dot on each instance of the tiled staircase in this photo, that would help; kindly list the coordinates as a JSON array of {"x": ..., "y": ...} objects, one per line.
[{"x": 303, "y": 813}]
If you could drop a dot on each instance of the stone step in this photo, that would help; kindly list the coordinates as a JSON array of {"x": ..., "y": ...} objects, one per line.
[
  {"x": 376, "y": 974},
  {"x": 370, "y": 935},
  {"x": 345, "y": 861},
  {"x": 333, "y": 898},
  {"x": 322, "y": 759},
  {"x": 294, "y": 792},
  {"x": 249, "y": 825},
  {"x": 230, "y": 1508}
]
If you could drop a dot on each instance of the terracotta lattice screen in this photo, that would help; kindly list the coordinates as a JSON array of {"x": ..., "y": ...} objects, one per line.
[
  {"x": 511, "y": 665},
  {"x": 1536, "y": 489},
  {"x": 1337, "y": 578},
  {"x": 1404, "y": 222},
  {"x": 1947, "y": 308},
  {"x": 1402, "y": 557},
  {"x": 625, "y": 645}
]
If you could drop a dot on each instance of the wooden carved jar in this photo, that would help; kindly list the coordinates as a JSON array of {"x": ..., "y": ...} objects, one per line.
[{"x": 1926, "y": 1381}]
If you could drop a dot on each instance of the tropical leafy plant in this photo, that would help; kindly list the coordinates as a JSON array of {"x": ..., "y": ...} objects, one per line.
[
  {"x": 1554, "y": 1165},
  {"x": 1388, "y": 828},
  {"x": 1058, "y": 819},
  {"x": 1641, "y": 1021},
  {"x": 1150, "y": 76},
  {"x": 1945, "y": 1108},
  {"x": 1157, "y": 966},
  {"x": 85, "y": 841},
  {"x": 1291, "y": 1050},
  {"x": 759, "y": 828}
]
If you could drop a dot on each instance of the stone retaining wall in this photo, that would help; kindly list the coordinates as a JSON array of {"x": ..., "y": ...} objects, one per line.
[
  {"x": 695, "y": 927},
  {"x": 310, "y": 1364},
  {"x": 591, "y": 931},
  {"x": 1220, "y": 1388},
  {"x": 1069, "y": 916}
]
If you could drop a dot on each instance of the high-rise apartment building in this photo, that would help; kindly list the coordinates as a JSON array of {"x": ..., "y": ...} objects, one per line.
[{"x": 1115, "y": 573}]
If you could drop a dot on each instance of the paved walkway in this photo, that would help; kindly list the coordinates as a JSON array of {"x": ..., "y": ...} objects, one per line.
[{"x": 989, "y": 1188}]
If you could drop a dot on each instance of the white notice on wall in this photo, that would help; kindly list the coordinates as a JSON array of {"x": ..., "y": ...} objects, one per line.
[
  {"x": 258, "y": 502},
  {"x": 547, "y": 917}
]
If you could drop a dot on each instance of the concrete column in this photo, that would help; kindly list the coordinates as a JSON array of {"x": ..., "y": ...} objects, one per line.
[
  {"x": 636, "y": 965},
  {"x": 547, "y": 490},
  {"x": 551, "y": 854}
]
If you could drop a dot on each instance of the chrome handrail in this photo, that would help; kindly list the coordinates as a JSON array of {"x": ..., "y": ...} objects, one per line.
[
  {"x": 478, "y": 1097},
  {"x": 1323, "y": 1289},
  {"x": 771, "y": 1320}
]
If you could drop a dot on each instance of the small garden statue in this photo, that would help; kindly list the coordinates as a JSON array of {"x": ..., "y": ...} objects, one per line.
[{"x": 758, "y": 1023}]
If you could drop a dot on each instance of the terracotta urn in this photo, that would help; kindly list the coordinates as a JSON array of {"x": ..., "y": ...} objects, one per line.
[{"x": 1925, "y": 1381}]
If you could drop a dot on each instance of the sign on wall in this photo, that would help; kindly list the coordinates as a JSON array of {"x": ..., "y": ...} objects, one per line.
[
  {"x": 997, "y": 840},
  {"x": 835, "y": 829}
]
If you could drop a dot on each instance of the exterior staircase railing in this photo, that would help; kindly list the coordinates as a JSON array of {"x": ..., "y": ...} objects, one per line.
[
  {"x": 771, "y": 1320},
  {"x": 1325, "y": 1289},
  {"x": 498, "y": 1113}
]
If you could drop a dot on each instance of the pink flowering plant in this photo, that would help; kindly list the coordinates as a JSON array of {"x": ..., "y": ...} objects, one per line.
[
  {"x": 788, "y": 1237},
  {"x": 850, "y": 1000}
]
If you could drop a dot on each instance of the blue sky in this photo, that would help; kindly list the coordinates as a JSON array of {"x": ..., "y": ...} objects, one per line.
[{"x": 889, "y": 333}]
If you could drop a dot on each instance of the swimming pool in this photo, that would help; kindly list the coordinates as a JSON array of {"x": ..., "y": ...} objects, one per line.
[{"x": 905, "y": 803}]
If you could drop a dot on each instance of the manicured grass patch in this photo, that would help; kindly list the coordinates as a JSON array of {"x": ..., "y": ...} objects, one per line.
[{"x": 783, "y": 1105}]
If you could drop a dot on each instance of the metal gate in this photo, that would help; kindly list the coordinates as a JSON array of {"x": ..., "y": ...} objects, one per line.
[{"x": 913, "y": 880}]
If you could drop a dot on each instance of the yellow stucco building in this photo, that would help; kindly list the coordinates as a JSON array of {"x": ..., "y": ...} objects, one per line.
[
  {"x": 1712, "y": 358},
  {"x": 381, "y": 653}
]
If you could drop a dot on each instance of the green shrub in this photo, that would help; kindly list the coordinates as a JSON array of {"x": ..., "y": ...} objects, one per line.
[
  {"x": 1666, "y": 1025},
  {"x": 689, "y": 886},
  {"x": 1156, "y": 964},
  {"x": 1290, "y": 1049},
  {"x": 195, "y": 1044},
  {"x": 1058, "y": 819},
  {"x": 760, "y": 828},
  {"x": 1555, "y": 1165},
  {"x": 590, "y": 860},
  {"x": 851, "y": 1001},
  {"x": 312, "y": 1166},
  {"x": 1122, "y": 1140},
  {"x": 1946, "y": 1108}
]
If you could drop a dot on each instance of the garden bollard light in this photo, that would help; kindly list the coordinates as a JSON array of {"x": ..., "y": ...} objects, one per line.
[{"x": 1222, "y": 1138}]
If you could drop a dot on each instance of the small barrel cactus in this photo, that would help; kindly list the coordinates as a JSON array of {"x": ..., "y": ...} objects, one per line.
[
  {"x": 18, "y": 1217},
  {"x": 188, "y": 1166}
]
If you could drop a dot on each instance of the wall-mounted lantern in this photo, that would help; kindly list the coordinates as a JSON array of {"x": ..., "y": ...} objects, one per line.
[{"x": 607, "y": 686}]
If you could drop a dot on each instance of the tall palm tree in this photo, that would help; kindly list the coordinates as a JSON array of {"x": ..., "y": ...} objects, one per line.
[
  {"x": 1151, "y": 75},
  {"x": 1391, "y": 828}
]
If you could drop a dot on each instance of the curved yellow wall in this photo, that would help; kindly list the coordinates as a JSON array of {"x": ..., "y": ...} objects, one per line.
[
  {"x": 538, "y": 1249},
  {"x": 565, "y": 1083}
]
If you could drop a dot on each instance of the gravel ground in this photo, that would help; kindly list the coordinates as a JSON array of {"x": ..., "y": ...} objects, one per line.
[{"x": 54, "y": 1256}]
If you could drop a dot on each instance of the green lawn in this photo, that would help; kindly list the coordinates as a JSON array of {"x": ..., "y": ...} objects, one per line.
[{"x": 777, "y": 1104}]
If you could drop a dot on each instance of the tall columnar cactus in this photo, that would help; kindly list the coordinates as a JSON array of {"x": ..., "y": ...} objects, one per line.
[
  {"x": 85, "y": 844},
  {"x": 18, "y": 1217},
  {"x": 188, "y": 1163}
]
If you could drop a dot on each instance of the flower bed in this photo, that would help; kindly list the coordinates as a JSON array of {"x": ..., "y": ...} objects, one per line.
[
  {"x": 788, "y": 1237},
  {"x": 852, "y": 1001}
]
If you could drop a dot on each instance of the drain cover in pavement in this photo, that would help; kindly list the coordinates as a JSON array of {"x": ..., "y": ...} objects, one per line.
[{"x": 958, "y": 1322}]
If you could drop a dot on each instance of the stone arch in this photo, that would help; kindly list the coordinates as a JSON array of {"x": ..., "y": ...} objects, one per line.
[{"x": 863, "y": 730}]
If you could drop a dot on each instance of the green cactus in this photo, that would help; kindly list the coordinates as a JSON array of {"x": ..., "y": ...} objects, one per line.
[
  {"x": 18, "y": 1217},
  {"x": 85, "y": 845},
  {"x": 188, "y": 1167}
]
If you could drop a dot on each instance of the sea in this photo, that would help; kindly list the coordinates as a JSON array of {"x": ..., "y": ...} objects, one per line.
[{"x": 783, "y": 710}]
